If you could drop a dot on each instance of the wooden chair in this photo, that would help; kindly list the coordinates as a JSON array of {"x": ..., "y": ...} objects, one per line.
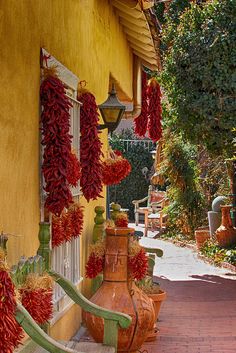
[
  {"x": 154, "y": 197},
  {"x": 158, "y": 216}
]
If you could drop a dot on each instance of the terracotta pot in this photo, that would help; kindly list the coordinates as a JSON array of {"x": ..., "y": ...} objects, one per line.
[
  {"x": 231, "y": 168},
  {"x": 226, "y": 233},
  {"x": 120, "y": 231},
  {"x": 201, "y": 236},
  {"x": 157, "y": 299},
  {"x": 118, "y": 293}
]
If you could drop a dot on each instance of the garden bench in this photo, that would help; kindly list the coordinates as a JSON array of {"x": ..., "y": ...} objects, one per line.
[
  {"x": 44, "y": 343},
  {"x": 154, "y": 198}
]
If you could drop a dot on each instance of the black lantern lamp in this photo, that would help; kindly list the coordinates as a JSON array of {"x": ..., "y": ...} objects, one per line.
[
  {"x": 153, "y": 154},
  {"x": 112, "y": 111}
]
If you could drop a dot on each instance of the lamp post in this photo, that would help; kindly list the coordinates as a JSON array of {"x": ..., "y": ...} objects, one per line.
[{"x": 112, "y": 111}]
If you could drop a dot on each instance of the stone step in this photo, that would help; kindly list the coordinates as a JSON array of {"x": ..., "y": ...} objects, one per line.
[{"x": 83, "y": 347}]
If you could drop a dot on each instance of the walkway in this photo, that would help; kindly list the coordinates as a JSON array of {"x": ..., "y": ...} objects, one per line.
[{"x": 199, "y": 315}]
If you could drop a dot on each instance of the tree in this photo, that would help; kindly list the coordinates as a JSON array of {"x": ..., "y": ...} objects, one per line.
[{"x": 199, "y": 75}]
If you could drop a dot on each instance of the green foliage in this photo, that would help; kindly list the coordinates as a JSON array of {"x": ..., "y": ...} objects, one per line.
[
  {"x": 186, "y": 210},
  {"x": 135, "y": 186},
  {"x": 159, "y": 9},
  {"x": 218, "y": 254},
  {"x": 199, "y": 75}
]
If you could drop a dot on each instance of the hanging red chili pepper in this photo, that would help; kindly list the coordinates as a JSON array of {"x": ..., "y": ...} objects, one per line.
[
  {"x": 137, "y": 260},
  {"x": 138, "y": 265},
  {"x": 115, "y": 168},
  {"x": 69, "y": 225},
  {"x": 76, "y": 216},
  {"x": 141, "y": 122},
  {"x": 94, "y": 265},
  {"x": 56, "y": 140},
  {"x": 73, "y": 170},
  {"x": 11, "y": 332},
  {"x": 58, "y": 236},
  {"x": 154, "y": 110},
  {"x": 36, "y": 297},
  {"x": 121, "y": 220},
  {"x": 90, "y": 148}
]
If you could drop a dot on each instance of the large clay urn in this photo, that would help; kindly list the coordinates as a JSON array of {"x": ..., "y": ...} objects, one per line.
[
  {"x": 119, "y": 293},
  {"x": 226, "y": 233}
]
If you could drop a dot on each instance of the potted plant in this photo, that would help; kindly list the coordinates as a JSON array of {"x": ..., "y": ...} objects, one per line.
[
  {"x": 154, "y": 292},
  {"x": 202, "y": 234}
]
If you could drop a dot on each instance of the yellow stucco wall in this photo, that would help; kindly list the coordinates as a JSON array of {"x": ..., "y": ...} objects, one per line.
[{"x": 86, "y": 37}]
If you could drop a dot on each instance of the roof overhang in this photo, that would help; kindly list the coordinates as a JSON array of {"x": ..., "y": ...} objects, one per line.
[{"x": 140, "y": 29}]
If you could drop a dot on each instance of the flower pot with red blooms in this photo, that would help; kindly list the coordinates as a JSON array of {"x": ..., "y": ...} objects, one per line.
[{"x": 119, "y": 293}]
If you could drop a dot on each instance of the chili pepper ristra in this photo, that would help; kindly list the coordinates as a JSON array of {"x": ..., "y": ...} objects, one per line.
[
  {"x": 141, "y": 122},
  {"x": 56, "y": 140},
  {"x": 154, "y": 110},
  {"x": 90, "y": 147}
]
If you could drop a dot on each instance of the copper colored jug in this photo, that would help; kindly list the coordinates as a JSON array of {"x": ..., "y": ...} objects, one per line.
[
  {"x": 118, "y": 293},
  {"x": 226, "y": 233}
]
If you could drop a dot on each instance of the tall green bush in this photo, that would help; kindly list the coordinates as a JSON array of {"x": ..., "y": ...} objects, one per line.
[
  {"x": 135, "y": 186},
  {"x": 187, "y": 207}
]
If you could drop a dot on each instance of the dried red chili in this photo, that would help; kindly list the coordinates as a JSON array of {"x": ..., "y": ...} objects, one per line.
[
  {"x": 76, "y": 216},
  {"x": 138, "y": 265},
  {"x": 73, "y": 170},
  {"x": 38, "y": 302},
  {"x": 69, "y": 225},
  {"x": 56, "y": 140},
  {"x": 141, "y": 122},
  {"x": 11, "y": 332},
  {"x": 155, "y": 110},
  {"x": 115, "y": 168},
  {"x": 90, "y": 148},
  {"x": 94, "y": 265},
  {"x": 121, "y": 220},
  {"x": 58, "y": 236},
  {"x": 36, "y": 297}
]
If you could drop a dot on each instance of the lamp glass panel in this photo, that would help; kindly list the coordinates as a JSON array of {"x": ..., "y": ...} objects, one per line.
[{"x": 111, "y": 115}]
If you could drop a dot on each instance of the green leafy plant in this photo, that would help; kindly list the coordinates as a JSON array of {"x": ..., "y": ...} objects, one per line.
[
  {"x": 199, "y": 73},
  {"x": 135, "y": 186},
  {"x": 186, "y": 210},
  {"x": 217, "y": 254}
]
